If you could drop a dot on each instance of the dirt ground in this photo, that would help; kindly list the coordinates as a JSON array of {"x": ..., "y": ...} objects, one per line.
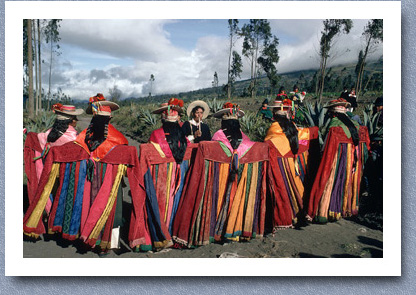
[{"x": 361, "y": 237}]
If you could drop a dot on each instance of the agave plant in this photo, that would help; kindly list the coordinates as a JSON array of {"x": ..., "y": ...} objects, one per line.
[
  {"x": 315, "y": 116},
  {"x": 215, "y": 105},
  {"x": 372, "y": 122},
  {"x": 248, "y": 122},
  {"x": 254, "y": 126},
  {"x": 41, "y": 123},
  {"x": 147, "y": 117}
]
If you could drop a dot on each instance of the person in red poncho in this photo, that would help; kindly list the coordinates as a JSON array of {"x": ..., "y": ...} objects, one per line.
[
  {"x": 225, "y": 197},
  {"x": 291, "y": 166},
  {"x": 37, "y": 145},
  {"x": 164, "y": 163},
  {"x": 88, "y": 174},
  {"x": 335, "y": 192}
]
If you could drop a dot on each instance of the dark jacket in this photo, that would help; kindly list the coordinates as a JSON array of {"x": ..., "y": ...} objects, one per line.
[{"x": 190, "y": 129}]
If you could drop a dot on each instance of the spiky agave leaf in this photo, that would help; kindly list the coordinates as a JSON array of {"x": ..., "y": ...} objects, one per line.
[
  {"x": 321, "y": 117},
  {"x": 310, "y": 119}
]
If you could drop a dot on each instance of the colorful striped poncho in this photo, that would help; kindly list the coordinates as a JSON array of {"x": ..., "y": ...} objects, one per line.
[
  {"x": 335, "y": 192},
  {"x": 35, "y": 150},
  {"x": 215, "y": 207},
  {"x": 161, "y": 182},
  {"x": 87, "y": 203},
  {"x": 289, "y": 175}
]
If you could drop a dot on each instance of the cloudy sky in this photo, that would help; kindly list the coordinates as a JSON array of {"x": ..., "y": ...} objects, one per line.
[{"x": 181, "y": 54}]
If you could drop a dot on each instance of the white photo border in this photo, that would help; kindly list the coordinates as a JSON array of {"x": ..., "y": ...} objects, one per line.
[{"x": 16, "y": 265}]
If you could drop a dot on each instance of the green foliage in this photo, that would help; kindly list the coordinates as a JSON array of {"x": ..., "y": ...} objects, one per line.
[
  {"x": 147, "y": 117},
  {"x": 372, "y": 121},
  {"x": 215, "y": 105},
  {"x": 315, "y": 115},
  {"x": 260, "y": 47},
  {"x": 40, "y": 123},
  {"x": 137, "y": 121},
  {"x": 255, "y": 127}
]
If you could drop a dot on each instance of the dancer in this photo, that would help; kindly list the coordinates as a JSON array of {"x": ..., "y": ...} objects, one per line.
[
  {"x": 87, "y": 174},
  {"x": 335, "y": 192},
  {"x": 164, "y": 164},
  {"x": 291, "y": 166},
  {"x": 37, "y": 145},
  {"x": 225, "y": 198}
]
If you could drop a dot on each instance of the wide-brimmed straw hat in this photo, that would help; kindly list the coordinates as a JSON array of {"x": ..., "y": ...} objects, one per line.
[
  {"x": 99, "y": 106},
  {"x": 65, "y": 112},
  {"x": 173, "y": 103},
  {"x": 198, "y": 103},
  {"x": 338, "y": 102},
  {"x": 229, "y": 111},
  {"x": 285, "y": 104}
]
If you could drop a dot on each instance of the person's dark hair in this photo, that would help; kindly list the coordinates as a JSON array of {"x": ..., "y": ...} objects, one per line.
[
  {"x": 97, "y": 132},
  {"x": 232, "y": 130},
  {"x": 195, "y": 109},
  {"x": 290, "y": 130},
  {"x": 281, "y": 89},
  {"x": 295, "y": 87},
  {"x": 350, "y": 125},
  {"x": 176, "y": 139},
  {"x": 58, "y": 129}
]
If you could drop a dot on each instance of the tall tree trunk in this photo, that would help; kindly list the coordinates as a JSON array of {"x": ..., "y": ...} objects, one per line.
[
  {"x": 30, "y": 69},
  {"x": 253, "y": 95},
  {"x": 39, "y": 66},
  {"x": 50, "y": 75},
  {"x": 36, "y": 69},
  {"x": 321, "y": 88},
  {"x": 361, "y": 71},
  {"x": 229, "y": 68},
  {"x": 322, "y": 77}
]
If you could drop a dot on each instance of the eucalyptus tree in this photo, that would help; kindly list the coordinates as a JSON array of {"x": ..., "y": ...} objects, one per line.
[
  {"x": 332, "y": 29},
  {"x": 39, "y": 72},
  {"x": 52, "y": 37},
  {"x": 151, "y": 80},
  {"x": 215, "y": 83},
  {"x": 115, "y": 93},
  {"x": 260, "y": 47},
  {"x": 234, "y": 72},
  {"x": 268, "y": 61},
  {"x": 31, "y": 107},
  {"x": 373, "y": 35},
  {"x": 234, "y": 59}
]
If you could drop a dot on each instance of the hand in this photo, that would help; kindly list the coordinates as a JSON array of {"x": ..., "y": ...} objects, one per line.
[{"x": 198, "y": 133}]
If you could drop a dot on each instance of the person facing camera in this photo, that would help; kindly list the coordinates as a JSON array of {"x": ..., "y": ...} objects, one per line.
[{"x": 195, "y": 130}]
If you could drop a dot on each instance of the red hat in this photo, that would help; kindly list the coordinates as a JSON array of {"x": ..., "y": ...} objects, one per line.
[{"x": 99, "y": 106}]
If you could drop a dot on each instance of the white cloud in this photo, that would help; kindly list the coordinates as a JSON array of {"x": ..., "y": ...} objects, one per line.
[{"x": 98, "y": 54}]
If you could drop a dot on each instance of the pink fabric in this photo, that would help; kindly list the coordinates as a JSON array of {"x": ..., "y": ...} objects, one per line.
[
  {"x": 304, "y": 142},
  {"x": 38, "y": 165},
  {"x": 69, "y": 135},
  {"x": 158, "y": 136},
  {"x": 244, "y": 146}
]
